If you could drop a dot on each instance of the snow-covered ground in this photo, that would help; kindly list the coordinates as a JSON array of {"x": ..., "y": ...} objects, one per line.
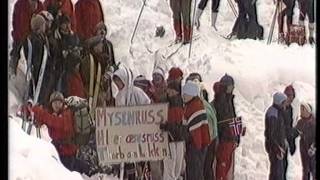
[{"x": 258, "y": 69}]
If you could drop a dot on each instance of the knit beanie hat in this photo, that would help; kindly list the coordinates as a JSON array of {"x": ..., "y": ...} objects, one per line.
[
  {"x": 289, "y": 90},
  {"x": 279, "y": 97},
  {"x": 37, "y": 21},
  {"x": 191, "y": 89},
  {"x": 159, "y": 70},
  {"x": 307, "y": 106},
  {"x": 56, "y": 96},
  {"x": 175, "y": 73},
  {"x": 227, "y": 80},
  {"x": 100, "y": 25},
  {"x": 194, "y": 76}
]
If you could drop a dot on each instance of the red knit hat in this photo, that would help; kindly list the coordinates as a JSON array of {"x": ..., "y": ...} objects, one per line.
[{"x": 175, "y": 73}]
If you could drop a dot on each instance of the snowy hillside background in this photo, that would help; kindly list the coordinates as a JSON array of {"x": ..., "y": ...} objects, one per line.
[{"x": 258, "y": 69}]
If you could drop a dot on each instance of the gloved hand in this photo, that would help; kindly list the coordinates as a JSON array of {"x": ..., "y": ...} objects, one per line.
[
  {"x": 312, "y": 150},
  {"x": 164, "y": 126}
]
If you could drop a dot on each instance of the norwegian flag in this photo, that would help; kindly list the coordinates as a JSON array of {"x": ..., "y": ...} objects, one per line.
[{"x": 236, "y": 126}]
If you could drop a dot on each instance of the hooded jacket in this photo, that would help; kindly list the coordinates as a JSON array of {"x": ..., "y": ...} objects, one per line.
[
  {"x": 61, "y": 128},
  {"x": 129, "y": 95}
]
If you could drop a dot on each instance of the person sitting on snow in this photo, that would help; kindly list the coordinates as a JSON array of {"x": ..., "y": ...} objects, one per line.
[{"x": 60, "y": 122}]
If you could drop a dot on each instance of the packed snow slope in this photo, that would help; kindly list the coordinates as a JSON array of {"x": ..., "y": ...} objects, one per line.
[{"x": 258, "y": 70}]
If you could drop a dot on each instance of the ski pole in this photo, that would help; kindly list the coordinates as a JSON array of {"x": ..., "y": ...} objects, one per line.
[
  {"x": 135, "y": 28},
  {"x": 272, "y": 24},
  {"x": 233, "y": 8},
  {"x": 192, "y": 24}
]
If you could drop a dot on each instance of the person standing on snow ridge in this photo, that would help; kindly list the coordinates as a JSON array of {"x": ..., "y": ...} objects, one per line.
[
  {"x": 228, "y": 142},
  {"x": 306, "y": 128},
  {"x": 128, "y": 95},
  {"x": 88, "y": 14},
  {"x": 275, "y": 136},
  {"x": 21, "y": 19},
  {"x": 214, "y": 12},
  {"x": 288, "y": 12},
  {"x": 181, "y": 10},
  {"x": 307, "y": 8},
  {"x": 194, "y": 131},
  {"x": 38, "y": 42},
  {"x": 60, "y": 122},
  {"x": 173, "y": 166}
]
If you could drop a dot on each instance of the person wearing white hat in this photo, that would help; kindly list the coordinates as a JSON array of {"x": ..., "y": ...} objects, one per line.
[
  {"x": 159, "y": 84},
  {"x": 275, "y": 137},
  {"x": 195, "y": 118},
  {"x": 306, "y": 128}
]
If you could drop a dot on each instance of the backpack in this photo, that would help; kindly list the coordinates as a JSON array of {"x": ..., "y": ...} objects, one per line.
[{"x": 83, "y": 122}]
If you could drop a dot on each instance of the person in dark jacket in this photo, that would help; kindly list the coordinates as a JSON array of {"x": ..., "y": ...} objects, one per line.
[
  {"x": 181, "y": 10},
  {"x": 228, "y": 142},
  {"x": 306, "y": 128},
  {"x": 60, "y": 122},
  {"x": 287, "y": 11},
  {"x": 214, "y": 12},
  {"x": 275, "y": 136},
  {"x": 288, "y": 121},
  {"x": 173, "y": 166},
  {"x": 246, "y": 24},
  {"x": 194, "y": 131},
  {"x": 88, "y": 14},
  {"x": 34, "y": 48},
  {"x": 21, "y": 19},
  {"x": 307, "y": 9},
  {"x": 101, "y": 48}
]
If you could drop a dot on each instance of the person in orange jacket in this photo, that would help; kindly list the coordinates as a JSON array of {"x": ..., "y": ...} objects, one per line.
[
  {"x": 21, "y": 19},
  {"x": 88, "y": 14},
  {"x": 60, "y": 122}
]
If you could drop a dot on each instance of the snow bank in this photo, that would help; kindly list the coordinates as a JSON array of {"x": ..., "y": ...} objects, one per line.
[{"x": 258, "y": 69}]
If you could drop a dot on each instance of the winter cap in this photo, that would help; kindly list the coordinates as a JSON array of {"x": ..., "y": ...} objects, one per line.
[
  {"x": 278, "y": 98},
  {"x": 227, "y": 80},
  {"x": 191, "y": 89},
  {"x": 159, "y": 70},
  {"x": 307, "y": 106},
  {"x": 289, "y": 90},
  {"x": 175, "y": 73},
  {"x": 37, "y": 21},
  {"x": 46, "y": 15},
  {"x": 56, "y": 96},
  {"x": 194, "y": 76},
  {"x": 99, "y": 26}
]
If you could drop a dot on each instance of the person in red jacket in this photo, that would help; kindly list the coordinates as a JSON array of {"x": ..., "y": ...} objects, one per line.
[
  {"x": 65, "y": 6},
  {"x": 173, "y": 166},
  {"x": 60, "y": 121},
  {"x": 194, "y": 131},
  {"x": 88, "y": 14},
  {"x": 21, "y": 18}
]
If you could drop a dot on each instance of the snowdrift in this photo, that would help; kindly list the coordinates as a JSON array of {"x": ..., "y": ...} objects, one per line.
[{"x": 258, "y": 70}]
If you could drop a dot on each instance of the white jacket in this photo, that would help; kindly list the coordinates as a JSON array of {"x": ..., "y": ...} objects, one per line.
[{"x": 129, "y": 95}]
